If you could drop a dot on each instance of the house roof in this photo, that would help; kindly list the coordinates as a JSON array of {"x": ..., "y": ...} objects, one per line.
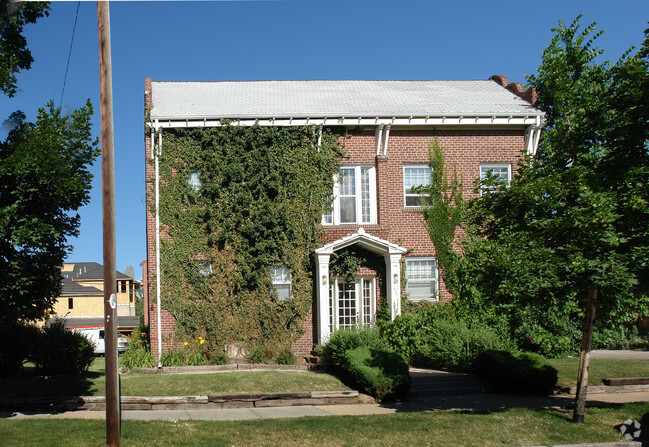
[
  {"x": 333, "y": 99},
  {"x": 87, "y": 271},
  {"x": 70, "y": 288}
]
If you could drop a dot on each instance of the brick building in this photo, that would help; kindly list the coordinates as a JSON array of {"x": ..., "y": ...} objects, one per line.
[{"x": 482, "y": 126}]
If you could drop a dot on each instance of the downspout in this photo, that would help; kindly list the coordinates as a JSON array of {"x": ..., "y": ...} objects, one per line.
[
  {"x": 379, "y": 138},
  {"x": 385, "y": 140},
  {"x": 157, "y": 244}
]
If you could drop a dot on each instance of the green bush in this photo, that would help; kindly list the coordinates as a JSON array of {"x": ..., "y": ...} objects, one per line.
[
  {"x": 436, "y": 337},
  {"x": 16, "y": 342},
  {"x": 258, "y": 354},
  {"x": 379, "y": 373},
  {"x": 58, "y": 351},
  {"x": 217, "y": 358},
  {"x": 334, "y": 351},
  {"x": 517, "y": 373},
  {"x": 286, "y": 357}
]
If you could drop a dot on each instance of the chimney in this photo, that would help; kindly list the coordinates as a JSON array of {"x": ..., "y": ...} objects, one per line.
[{"x": 530, "y": 95}]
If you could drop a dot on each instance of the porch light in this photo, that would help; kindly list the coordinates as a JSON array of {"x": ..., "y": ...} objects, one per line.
[
  {"x": 324, "y": 280},
  {"x": 395, "y": 278}
]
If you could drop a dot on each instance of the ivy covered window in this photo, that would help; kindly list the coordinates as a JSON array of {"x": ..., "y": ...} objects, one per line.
[
  {"x": 280, "y": 277},
  {"x": 354, "y": 197},
  {"x": 421, "y": 276},
  {"x": 414, "y": 176},
  {"x": 195, "y": 182},
  {"x": 500, "y": 172}
]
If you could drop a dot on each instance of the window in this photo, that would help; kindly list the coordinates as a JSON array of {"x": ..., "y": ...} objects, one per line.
[
  {"x": 205, "y": 270},
  {"x": 413, "y": 176},
  {"x": 195, "y": 181},
  {"x": 354, "y": 197},
  {"x": 280, "y": 277},
  {"x": 70, "y": 303},
  {"x": 421, "y": 276},
  {"x": 500, "y": 172}
]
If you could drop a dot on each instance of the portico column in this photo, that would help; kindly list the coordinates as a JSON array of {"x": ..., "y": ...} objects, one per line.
[
  {"x": 323, "y": 297},
  {"x": 393, "y": 283}
]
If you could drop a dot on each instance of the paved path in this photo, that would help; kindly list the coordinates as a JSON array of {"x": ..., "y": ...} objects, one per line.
[{"x": 619, "y": 354}]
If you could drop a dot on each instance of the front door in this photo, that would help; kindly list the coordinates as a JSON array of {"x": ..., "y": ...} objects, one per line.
[{"x": 352, "y": 304}]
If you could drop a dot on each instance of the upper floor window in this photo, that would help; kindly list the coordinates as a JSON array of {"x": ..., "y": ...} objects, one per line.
[
  {"x": 421, "y": 276},
  {"x": 280, "y": 277},
  {"x": 354, "y": 197},
  {"x": 195, "y": 182},
  {"x": 501, "y": 172},
  {"x": 414, "y": 176}
]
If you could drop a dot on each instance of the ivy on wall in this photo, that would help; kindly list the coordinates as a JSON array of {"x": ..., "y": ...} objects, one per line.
[{"x": 235, "y": 201}]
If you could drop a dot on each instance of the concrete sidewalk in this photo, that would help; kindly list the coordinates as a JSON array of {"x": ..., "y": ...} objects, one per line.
[{"x": 438, "y": 403}]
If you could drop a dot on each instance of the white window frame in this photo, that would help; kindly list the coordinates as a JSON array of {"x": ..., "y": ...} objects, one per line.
[
  {"x": 283, "y": 279},
  {"x": 334, "y": 218},
  {"x": 485, "y": 167},
  {"x": 407, "y": 194},
  {"x": 195, "y": 182},
  {"x": 434, "y": 280}
]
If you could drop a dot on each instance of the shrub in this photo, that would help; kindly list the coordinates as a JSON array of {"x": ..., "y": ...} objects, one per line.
[
  {"x": 382, "y": 374},
  {"x": 217, "y": 358},
  {"x": 437, "y": 337},
  {"x": 16, "y": 341},
  {"x": 286, "y": 357},
  {"x": 333, "y": 352},
  {"x": 59, "y": 351},
  {"x": 517, "y": 373},
  {"x": 258, "y": 354}
]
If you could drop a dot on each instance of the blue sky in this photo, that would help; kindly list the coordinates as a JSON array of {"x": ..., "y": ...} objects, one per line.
[{"x": 292, "y": 39}]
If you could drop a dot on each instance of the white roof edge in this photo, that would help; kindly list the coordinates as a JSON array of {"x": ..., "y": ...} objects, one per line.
[{"x": 361, "y": 236}]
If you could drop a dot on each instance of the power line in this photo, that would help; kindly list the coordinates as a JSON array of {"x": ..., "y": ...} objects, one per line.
[{"x": 65, "y": 78}]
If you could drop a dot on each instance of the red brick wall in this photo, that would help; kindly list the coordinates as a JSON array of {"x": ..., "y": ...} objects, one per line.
[{"x": 465, "y": 148}]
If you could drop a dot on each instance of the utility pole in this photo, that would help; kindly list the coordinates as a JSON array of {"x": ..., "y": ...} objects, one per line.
[{"x": 108, "y": 208}]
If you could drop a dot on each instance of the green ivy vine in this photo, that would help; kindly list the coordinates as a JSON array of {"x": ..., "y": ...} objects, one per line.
[{"x": 238, "y": 200}]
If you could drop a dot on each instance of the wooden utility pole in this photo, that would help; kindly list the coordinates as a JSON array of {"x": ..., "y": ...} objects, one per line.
[{"x": 108, "y": 207}]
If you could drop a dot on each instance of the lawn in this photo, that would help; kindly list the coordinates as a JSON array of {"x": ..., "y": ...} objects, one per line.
[
  {"x": 515, "y": 427},
  {"x": 148, "y": 384},
  {"x": 599, "y": 369}
]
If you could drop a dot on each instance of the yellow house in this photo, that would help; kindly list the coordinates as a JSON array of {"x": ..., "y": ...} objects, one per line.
[{"x": 81, "y": 303}]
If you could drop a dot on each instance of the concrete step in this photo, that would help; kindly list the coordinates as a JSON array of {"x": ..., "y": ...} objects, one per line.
[{"x": 441, "y": 383}]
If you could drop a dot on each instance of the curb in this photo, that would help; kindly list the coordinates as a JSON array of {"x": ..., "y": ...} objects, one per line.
[{"x": 202, "y": 402}]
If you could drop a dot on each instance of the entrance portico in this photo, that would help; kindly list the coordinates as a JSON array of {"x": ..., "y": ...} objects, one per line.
[{"x": 392, "y": 254}]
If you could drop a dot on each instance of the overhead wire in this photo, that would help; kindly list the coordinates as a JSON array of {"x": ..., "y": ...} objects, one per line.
[{"x": 67, "y": 68}]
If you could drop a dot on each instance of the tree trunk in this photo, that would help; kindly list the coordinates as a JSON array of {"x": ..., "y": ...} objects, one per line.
[{"x": 584, "y": 361}]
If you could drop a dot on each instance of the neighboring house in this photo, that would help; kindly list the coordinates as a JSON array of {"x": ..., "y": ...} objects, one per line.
[
  {"x": 482, "y": 126},
  {"x": 81, "y": 303}
]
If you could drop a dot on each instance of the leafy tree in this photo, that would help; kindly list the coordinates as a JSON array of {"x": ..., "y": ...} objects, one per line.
[
  {"x": 582, "y": 206},
  {"x": 44, "y": 179},
  {"x": 14, "y": 54}
]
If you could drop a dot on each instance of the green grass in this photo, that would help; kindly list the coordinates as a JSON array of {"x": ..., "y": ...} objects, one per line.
[
  {"x": 146, "y": 384},
  {"x": 515, "y": 427},
  {"x": 599, "y": 369}
]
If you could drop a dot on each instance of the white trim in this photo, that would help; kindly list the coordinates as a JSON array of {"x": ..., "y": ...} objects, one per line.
[
  {"x": 403, "y": 183},
  {"x": 157, "y": 246},
  {"x": 496, "y": 165},
  {"x": 451, "y": 120},
  {"x": 335, "y": 211},
  {"x": 434, "y": 280}
]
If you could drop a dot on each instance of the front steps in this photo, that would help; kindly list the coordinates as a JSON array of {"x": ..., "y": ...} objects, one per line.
[{"x": 428, "y": 382}]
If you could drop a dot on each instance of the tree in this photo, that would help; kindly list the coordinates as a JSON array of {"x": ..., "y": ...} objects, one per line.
[
  {"x": 583, "y": 204},
  {"x": 44, "y": 179},
  {"x": 14, "y": 54}
]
